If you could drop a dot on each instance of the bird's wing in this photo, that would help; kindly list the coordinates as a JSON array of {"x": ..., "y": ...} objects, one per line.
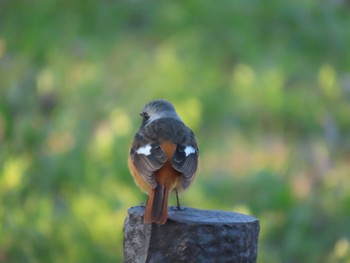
[
  {"x": 185, "y": 161},
  {"x": 147, "y": 160}
]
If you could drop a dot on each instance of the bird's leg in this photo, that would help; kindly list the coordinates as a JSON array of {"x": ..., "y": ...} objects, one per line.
[{"x": 177, "y": 199}]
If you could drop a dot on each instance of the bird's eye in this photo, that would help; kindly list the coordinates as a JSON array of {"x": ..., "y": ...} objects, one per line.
[{"x": 144, "y": 115}]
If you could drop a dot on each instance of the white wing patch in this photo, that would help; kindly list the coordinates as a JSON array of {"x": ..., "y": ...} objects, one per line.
[
  {"x": 189, "y": 150},
  {"x": 145, "y": 150}
]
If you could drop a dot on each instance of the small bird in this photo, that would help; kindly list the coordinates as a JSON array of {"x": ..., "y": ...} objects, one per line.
[{"x": 163, "y": 158}]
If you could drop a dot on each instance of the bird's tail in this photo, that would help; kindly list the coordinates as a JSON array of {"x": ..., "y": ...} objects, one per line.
[{"x": 156, "y": 210}]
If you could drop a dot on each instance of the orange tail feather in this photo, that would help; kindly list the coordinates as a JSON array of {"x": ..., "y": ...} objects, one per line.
[{"x": 156, "y": 210}]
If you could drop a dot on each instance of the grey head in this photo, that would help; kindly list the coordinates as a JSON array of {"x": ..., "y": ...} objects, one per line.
[{"x": 158, "y": 109}]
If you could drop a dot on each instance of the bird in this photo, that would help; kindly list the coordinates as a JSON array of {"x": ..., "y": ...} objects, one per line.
[{"x": 163, "y": 158}]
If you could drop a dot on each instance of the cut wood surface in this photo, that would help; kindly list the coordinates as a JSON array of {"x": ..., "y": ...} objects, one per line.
[{"x": 191, "y": 235}]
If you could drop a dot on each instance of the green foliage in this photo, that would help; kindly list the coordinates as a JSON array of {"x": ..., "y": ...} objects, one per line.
[{"x": 264, "y": 85}]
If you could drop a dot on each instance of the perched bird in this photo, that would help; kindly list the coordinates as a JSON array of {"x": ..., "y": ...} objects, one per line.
[{"x": 163, "y": 158}]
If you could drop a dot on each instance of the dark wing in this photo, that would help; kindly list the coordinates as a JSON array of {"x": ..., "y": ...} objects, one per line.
[
  {"x": 185, "y": 160},
  {"x": 147, "y": 160}
]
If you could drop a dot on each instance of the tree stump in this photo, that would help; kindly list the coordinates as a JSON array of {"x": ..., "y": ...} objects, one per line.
[{"x": 191, "y": 235}]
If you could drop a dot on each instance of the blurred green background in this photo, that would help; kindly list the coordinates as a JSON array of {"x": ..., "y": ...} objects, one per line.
[{"x": 265, "y": 85}]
